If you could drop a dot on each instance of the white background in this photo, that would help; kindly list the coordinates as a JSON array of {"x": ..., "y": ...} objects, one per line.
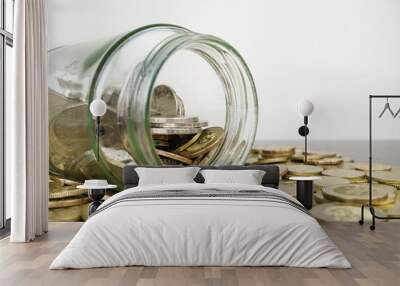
[{"x": 334, "y": 53}]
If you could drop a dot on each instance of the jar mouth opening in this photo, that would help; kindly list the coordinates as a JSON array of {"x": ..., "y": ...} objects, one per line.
[{"x": 235, "y": 78}]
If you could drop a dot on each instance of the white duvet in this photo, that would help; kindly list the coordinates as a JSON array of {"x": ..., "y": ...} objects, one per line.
[{"x": 199, "y": 231}]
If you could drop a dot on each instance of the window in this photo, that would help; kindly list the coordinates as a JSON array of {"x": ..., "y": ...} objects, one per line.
[{"x": 6, "y": 43}]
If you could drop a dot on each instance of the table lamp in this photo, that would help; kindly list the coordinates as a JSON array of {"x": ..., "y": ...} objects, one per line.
[
  {"x": 305, "y": 108},
  {"x": 98, "y": 108}
]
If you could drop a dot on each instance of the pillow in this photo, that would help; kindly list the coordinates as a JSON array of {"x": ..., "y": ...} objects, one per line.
[
  {"x": 166, "y": 176},
  {"x": 248, "y": 177}
]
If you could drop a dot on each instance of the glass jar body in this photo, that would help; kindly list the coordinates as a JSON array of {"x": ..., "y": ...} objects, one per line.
[{"x": 123, "y": 71}]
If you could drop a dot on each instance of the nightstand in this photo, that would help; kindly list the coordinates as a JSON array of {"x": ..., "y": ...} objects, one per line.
[
  {"x": 96, "y": 194},
  {"x": 304, "y": 190}
]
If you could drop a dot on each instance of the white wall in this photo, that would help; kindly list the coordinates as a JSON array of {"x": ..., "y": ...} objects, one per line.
[{"x": 333, "y": 52}]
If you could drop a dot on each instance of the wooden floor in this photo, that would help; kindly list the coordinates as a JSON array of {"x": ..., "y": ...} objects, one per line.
[{"x": 375, "y": 257}]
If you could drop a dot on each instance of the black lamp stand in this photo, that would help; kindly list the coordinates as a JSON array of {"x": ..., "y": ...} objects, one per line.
[
  {"x": 304, "y": 131},
  {"x": 99, "y": 132}
]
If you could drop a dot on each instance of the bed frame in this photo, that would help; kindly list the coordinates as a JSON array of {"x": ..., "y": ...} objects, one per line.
[{"x": 271, "y": 178}]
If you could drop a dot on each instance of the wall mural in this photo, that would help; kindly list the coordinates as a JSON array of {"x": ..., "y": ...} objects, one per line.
[{"x": 177, "y": 97}]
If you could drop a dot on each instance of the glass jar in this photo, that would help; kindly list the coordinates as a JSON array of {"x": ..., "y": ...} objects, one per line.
[{"x": 209, "y": 76}]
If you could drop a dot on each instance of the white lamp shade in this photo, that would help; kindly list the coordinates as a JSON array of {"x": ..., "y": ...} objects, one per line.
[
  {"x": 98, "y": 107},
  {"x": 305, "y": 107}
]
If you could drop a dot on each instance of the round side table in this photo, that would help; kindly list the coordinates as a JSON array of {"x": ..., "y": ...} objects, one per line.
[
  {"x": 95, "y": 194},
  {"x": 304, "y": 190}
]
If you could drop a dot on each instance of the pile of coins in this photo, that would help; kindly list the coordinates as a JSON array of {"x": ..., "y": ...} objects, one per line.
[
  {"x": 66, "y": 202},
  {"x": 342, "y": 186},
  {"x": 180, "y": 139},
  {"x": 270, "y": 155}
]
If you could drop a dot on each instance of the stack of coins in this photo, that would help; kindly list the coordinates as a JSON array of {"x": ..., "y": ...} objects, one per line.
[
  {"x": 342, "y": 187},
  {"x": 273, "y": 155},
  {"x": 180, "y": 139},
  {"x": 66, "y": 202}
]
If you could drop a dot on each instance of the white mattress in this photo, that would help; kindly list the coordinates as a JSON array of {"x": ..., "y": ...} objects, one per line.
[{"x": 200, "y": 231}]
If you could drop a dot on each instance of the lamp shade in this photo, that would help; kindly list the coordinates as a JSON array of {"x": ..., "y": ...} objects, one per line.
[
  {"x": 98, "y": 107},
  {"x": 305, "y": 107}
]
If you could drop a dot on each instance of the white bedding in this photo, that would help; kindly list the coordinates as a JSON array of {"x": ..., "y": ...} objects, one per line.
[{"x": 200, "y": 231}]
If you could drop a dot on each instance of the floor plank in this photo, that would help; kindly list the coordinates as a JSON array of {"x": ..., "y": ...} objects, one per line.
[{"x": 375, "y": 257}]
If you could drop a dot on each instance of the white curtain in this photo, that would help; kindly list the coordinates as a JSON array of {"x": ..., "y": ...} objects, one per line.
[{"x": 26, "y": 117}]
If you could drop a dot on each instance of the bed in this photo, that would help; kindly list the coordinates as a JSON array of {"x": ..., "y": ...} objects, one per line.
[{"x": 198, "y": 224}]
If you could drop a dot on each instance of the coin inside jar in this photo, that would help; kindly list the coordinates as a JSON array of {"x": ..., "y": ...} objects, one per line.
[
  {"x": 188, "y": 143},
  {"x": 174, "y": 156},
  {"x": 208, "y": 139},
  {"x": 165, "y": 102}
]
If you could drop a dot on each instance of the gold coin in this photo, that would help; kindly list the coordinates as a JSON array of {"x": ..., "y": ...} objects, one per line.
[
  {"x": 278, "y": 150},
  {"x": 326, "y": 181},
  {"x": 174, "y": 156},
  {"x": 339, "y": 212},
  {"x": 344, "y": 173},
  {"x": 304, "y": 170},
  {"x": 375, "y": 167},
  {"x": 69, "y": 202},
  {"x": 391, "y": 199},
  {"x": 357, "y": 193},
  {"x": 321, "y": 154},
  {"x": 359, "y": 181},
  {"x": 387, "y": 177},
  {"x": 272, "y": 160},
  {"x": 209, "y": 138},
  {"x": 165, "y": 102},
  {"x": 326, "y": 161},
  {"x": 188, "y": 143}
]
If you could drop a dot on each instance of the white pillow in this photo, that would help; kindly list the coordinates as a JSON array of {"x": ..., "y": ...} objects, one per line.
[
  {"x": 166, "y": 176},
  {"x": 248, "y": 177}
]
